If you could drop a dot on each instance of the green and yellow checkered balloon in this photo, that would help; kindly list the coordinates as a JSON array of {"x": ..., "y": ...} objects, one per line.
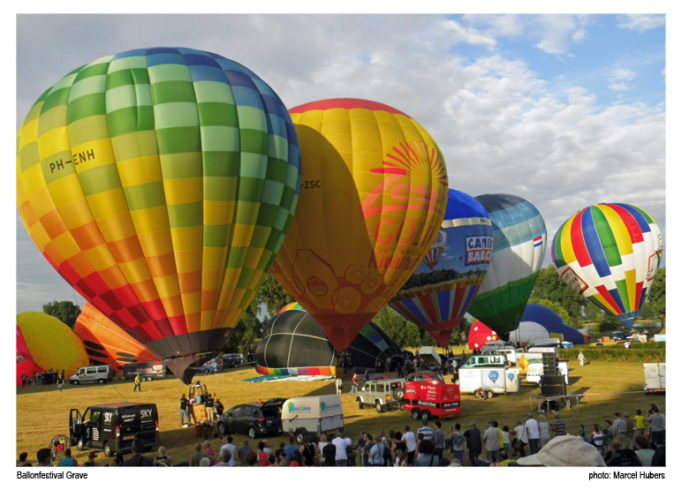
[{"x": 160, "y": 183}]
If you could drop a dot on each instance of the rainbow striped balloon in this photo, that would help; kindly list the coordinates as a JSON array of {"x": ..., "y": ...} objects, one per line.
[{"x": 609, "y": 253}]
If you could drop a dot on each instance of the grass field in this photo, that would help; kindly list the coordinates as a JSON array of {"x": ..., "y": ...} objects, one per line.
[{"x": 42, "y": 412}]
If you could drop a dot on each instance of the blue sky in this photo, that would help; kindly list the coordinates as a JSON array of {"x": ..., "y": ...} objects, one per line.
[{"x": 563, "y": 110}]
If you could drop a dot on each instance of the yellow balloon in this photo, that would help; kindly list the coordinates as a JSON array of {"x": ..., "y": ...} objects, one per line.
[
  {"x": 52, "y": 343},
  {"x": 372, "y": 198}
]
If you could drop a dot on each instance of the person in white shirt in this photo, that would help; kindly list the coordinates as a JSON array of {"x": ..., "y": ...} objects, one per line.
[
  {"x": 341, "y": 452},
  {"x": 521, "y": 438},
  {"x": 532, "y": 428},
  {"x": 227, "y": 444},
  {"x": 410, "y": 440}
]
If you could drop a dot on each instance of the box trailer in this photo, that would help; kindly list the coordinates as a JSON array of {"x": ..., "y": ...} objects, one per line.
[
  {"x": 310, "y": 416},
  {"x": 655, "y": 376},
  {"x": 535, "y": 371},
  {"x": 488, "y": 381}
]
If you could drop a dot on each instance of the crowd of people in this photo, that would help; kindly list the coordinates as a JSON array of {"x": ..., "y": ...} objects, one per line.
[{"x": 540, "y": 440}]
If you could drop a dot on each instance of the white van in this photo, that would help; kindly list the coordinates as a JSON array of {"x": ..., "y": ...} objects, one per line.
[
  {"x": 93, "y": 374},
  {"x": 309, "y": 416}
]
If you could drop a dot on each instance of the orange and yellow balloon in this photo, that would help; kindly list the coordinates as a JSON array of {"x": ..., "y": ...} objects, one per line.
[{"x": 372, "y": 198}]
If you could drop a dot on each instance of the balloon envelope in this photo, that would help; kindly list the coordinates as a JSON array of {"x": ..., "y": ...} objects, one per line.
[
  {"x": 51, "y": 343},
  {"x": 479, "y": 334},
  {"x": 373, "y": 194},
  {"x": 540, "y": 322},
  {"x": 160, "y": 184},
  {"x": 294, "y": 343},
  {"x": 107, "y": 343},
  {"x": 439, "y": 293},
  {"x": 609, "y": 253},
  {"x": 25, "y": 363},
  {"x": 519, "y": 247}
]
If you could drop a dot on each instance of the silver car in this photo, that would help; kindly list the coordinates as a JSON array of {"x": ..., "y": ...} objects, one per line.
[{"x": 384, "y": 394}]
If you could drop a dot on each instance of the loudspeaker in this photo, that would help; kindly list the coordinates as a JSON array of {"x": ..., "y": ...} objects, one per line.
[{"x": 553, "y": 385}]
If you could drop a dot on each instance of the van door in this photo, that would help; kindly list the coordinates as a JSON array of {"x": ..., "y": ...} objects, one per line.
[{"x": 76, "y": 428}]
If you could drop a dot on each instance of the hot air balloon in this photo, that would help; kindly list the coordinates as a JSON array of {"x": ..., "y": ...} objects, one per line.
[
  {"x": 294, "y": 344},
  {"x": 437, "y": 296},
  {"x": 107, "y": 343},
  {"x": 160, "y": 184},
  {"x": 540, "y": 322},
  {"x": 609, "y": 253},
  {"x": 479, "y": 334},
  {"x": 51, "y": 343},
  {"x": 25, "y": 363},
  {"x": 373, "y": 194},
  {"x": 519, "y": 247}
]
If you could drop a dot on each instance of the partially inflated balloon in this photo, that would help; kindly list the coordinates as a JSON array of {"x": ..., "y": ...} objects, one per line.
[
  {"x": 160, "y": 184},
  {"x": 540, "y": 322},
  {"x": 439, "y": 293},
  {"x": 107, "y": 343},
  {"x": 519, "y": 248},
  {"x": 609, "y": 253},
  {"x": 25, "y": 364},
  {"x": 373, "y": 194},
  {"x": 51, "y": 343}
]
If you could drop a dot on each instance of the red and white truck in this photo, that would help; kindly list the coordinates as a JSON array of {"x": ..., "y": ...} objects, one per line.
[{"x": 427, "y": 396}]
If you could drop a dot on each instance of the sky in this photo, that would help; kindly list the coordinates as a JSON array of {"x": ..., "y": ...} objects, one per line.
[{"x": 563, "y": 110}]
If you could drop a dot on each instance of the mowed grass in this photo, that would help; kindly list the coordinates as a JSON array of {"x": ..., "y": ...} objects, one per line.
[{"x": 43, "y": 412}]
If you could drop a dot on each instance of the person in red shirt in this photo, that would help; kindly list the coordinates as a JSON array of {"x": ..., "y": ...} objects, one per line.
[
  {"x": 355, "y": 385},
  {"x": 296, "y": 458},
  {"x": 263, "y": 457}
]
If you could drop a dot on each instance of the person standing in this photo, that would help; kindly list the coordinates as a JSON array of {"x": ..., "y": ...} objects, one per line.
[
  {"x": 138, "y": 383},
  {"x": 474, "y": 441},
  {"x": 491, "y": 438},
  {"x": 184, "y": 414},
  {"x": 657, "y": 427},
  {"x": 228, "y": 444},
  {"x": 558, "y": 426},
  {"x": 410, "y": 440},
  {"x": 521, "y": 440},
  {"x": 137, "y": 459},
  {"x": 208, "y": 401},
  {"x": 544, "y": 430},
  {"x": 532, "y": 428},
  {"x": 60, "y": 382},
  {"x": 243, "y": 452},
  {"x": 458, "y": 443},
  {"x": 341, "y": 450},
  {"x": 425, "y": 430},
  {"x": 639, "y": 424},
  {"x": 619, "y": 425},
  {"x": 439, "y": 439},
  {"x": 581, "y": 358},
  {"x": 339, "y": 385}
]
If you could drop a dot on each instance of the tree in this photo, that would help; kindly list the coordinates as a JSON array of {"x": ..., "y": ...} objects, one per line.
[
  {"x": 656, "y": 299},
  {"x": 271, "y": 295},
  {"x": 66, "y": 311},
  {"x": 403, "y": 332},
  {"x": 550, "y": 286}
]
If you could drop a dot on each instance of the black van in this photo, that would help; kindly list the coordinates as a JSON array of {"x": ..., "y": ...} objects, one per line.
[
  {"x": 113, "y": 426},
  {"x": 147, "y": 370}
]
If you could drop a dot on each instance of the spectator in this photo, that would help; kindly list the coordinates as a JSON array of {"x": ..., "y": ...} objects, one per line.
[
  {"x": 296, "y": 459},
  {"x": 621, "y": 452},
  {"x": 564, "y": 451},
  {"x": 532, "y": 429},
  {"x": 341, "y": 449},
  {"x": 474, "y": 442},
  {"x": 425, "y": 430},
  {"x": 376, "y": 453},
  {"x": 520, "y": 441},
  {"x": 639, "y": 423},
  {"x": 208, "y": 451},
  {"x": 410, "y": 441},
  {"x": 195, "y": 458},
  {"x": 290, "y": 448},
  {"x": 630, "y": 425},
  {"x": 228, "y": 443},
  {"x": 558, "y": 426},
  {"x": 643, "y": 451},
  {"x": 243, "y": 452},
  {"x": 544, "y": 430},
  {"x": 68, "y": 460},
  {"x": 619, "y": 426},
  {"x": 23, "y": 458},
  {"x": 598, "y": 439},
  {"x": 161, "y": 458},
  {"x": 251, "y": 459},
  {"x": 44, "y": 456},
  {"x": 328, "y": 454},
  {"x": 225, "y": 456},
  {"x": 204, "y": 461},
  {"x": 426, "y": 454},
  {"x": 656, "y": 427},
  {"x": 137, "y": 459},
  {"x": 263, "y": 457},
  {"x": 458, "y": 441},
  {"x": 439, "y": 439},
  {"x": 491, "y": 439},
  {"x": 506, "y": 440},
  {"x": 91, "y": 459}
]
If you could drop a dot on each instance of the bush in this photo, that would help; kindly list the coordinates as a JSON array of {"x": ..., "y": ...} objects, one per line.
[{"x": 639, "y": 352}]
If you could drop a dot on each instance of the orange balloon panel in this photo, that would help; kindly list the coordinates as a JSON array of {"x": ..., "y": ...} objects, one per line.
[
  {"x": 105, "y": 342},
  {"x": 51, "y": 343},
  {"x": 372, "y": 198}
]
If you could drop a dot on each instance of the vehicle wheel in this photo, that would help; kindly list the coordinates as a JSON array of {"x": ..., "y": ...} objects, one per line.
[
  {"x": 379, "y": 407},
  {"x": 108, "y": 452},
  {"x": 360, "y": 404},
  {"x": 489, "y": 394},
  {"x": 80, "y": 445},
  {"x": 252, "y": 433},
  {"x": 102, "y": 381},
  {"x": 425, "y": 415},
  {"x": 222, "y": 428},
  {"x": 300, "y": 435},
  {"x": 416, "y": 414},
  {"x": 76, "y": 382},
  {"x": 398, "y": 394}
]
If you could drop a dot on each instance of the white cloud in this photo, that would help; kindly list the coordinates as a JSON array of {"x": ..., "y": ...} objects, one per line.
[
  {"x": 618, "y": 79},
  {"x": 641, "y": 23},
  {"x": 467, "y": 35}
]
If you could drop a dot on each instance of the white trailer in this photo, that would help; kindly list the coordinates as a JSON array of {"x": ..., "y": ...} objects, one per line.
[
  {"x": 655, "y": 376},
  {"x": 309, "y": 416},
  {"x": 535, "y": 370},
  {"x": 487, "y": 381}
]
